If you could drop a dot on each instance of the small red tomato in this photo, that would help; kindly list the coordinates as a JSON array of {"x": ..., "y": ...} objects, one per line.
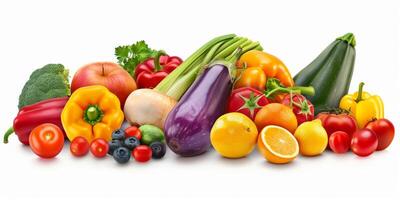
[
  {"x": 301, "y": 106},
  {"x": 339, "y": 142},
  {"x": 142, "y": 153},
  {"x": 384, "y": 130},
  {"x": 79, "y": 146},
  {"x": 46, "y": 140},
  {"x": 99, "y": 147},
  {"x": 364, "y": 142},
  {"x": 133, "y": 131}
]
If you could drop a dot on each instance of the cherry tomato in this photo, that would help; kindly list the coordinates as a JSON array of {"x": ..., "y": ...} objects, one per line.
[
  {"x": 364, "y": 142},
  {"x": 338, "y": 122},
  {"x": 252, "y": 77},
  {"x": 384, "y": 130},
  {"x": 339, "y": 142},
  {"x": 133, "y": 131},
  {"x": 142, "y": 153},
  {"x": 301, "y": 106},
  {"x": 46, "y": 140},
  {"x": 79, "y": 146},
  {"x": 99, "y": 147}
]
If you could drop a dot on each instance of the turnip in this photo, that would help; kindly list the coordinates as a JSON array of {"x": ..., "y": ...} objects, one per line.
[{"x": 147, "y": 106}]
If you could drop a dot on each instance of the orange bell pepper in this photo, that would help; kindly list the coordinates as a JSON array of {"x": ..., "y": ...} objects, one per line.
[
  {"x": 253, "y": 77},
  {"x": 272, "y": 66}
]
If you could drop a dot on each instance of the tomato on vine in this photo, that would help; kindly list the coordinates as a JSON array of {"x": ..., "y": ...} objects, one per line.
[
  {"x": 247, "y": 101},
  {"x": 301, "y": 106}
]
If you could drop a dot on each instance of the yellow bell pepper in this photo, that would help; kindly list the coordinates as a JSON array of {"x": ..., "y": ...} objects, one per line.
[
  {"x": 92, "y": 112},
  {"x": 363, "y": 106}
]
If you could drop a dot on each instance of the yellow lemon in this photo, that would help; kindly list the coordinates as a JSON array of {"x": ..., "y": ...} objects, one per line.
[
  {"x": 277, "y": 144},
  {"x": 234, "y": 135},
  {"x": 312, "y": 138}
]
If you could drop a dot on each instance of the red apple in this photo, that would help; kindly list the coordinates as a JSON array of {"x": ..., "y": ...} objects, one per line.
[{"x": 108, "y": 74}]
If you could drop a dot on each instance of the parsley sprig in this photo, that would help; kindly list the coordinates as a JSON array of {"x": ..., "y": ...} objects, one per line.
[{"x": 130, "y": 56}]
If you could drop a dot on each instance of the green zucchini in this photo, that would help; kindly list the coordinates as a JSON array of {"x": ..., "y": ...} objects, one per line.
[{"x": 330, "y": 73}]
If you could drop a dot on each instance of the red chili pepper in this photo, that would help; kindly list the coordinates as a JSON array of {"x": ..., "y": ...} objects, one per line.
[
  {"x": 29, "y": 117},
  {"x": 149, "y": 73}
]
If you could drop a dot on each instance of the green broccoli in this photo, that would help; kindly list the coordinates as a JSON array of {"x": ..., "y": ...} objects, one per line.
[{"x": 48, "y": 82}]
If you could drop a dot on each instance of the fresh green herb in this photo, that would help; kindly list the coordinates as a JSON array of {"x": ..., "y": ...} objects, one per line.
[{"x": 130, "y": 56}]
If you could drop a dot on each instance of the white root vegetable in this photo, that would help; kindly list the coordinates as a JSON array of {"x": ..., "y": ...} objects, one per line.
[{"x": 147, "y": 106}]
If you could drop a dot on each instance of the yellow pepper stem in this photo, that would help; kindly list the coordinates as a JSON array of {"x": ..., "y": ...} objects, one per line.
[
  {"x": 93, "y": 114},
  {"x": 360, "y": 91}
]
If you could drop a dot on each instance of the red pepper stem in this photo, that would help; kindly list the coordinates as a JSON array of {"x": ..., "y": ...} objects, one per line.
[
  {"x": 7, "y": 134},
  {"x": 360, "y": 91},
  {"x": 157, "y": 66}
]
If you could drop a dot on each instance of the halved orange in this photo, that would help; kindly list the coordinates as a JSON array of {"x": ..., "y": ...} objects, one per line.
[{"x": 277, "y": 144}]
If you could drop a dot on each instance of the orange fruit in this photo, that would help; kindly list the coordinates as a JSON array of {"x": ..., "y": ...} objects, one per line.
[
  {"x": 234, "y": 135},
  {"x": 277, "y": 144},
  {"x": 276, "y": 114}
]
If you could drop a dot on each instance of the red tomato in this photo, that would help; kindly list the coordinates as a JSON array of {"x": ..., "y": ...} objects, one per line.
[
  {"x": 247, "y": 100},
  {"x": 339, "y": 142},
  {"x": 79, "y": 146},
  {"x": 142, "y": 153},
  {"x": 384, "y": 130},
  {"x": 133, "y": 131},
  {"x": 364, "y": 142},
  {"x": 99, "y": 147},
  {"x": 302, "y": 107},
  {"x": 338, "y": 122},
  {"x": 46, "y": 140}
]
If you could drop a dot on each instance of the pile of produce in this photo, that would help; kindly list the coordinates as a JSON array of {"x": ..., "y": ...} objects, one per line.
[{"x": 229, "y": 95}]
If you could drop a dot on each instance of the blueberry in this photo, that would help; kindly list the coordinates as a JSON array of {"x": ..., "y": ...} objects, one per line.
[
  {"x": 118, "y": 134},
  {"x": 122, "y": 155},
  {"x": 158, "y": 149},
  {"x": 131, "y": 143},
  {"x": 112, "y": 145}
]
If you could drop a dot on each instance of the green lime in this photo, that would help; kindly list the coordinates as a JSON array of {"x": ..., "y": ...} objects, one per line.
[{"x": 151, "y": 134}]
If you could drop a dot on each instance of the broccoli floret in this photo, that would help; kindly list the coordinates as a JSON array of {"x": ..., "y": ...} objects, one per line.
[{"x": 48, "y": 82}]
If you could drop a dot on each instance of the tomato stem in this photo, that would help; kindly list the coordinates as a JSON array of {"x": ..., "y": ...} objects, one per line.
[{"x": 274, "y": 85}]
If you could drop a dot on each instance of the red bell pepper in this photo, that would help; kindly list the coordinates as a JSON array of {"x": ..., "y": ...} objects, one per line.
[
  {"x": 153, "y": 70},
  {"x": 246, "y": 100},
  {"x": 47, "y": 111}
]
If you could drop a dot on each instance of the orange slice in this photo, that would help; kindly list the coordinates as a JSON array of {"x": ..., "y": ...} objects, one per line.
[{"x": 277, "y": 144}]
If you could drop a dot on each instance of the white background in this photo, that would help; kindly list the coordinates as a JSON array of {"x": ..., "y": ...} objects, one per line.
[{"x": 34, "y": 33}]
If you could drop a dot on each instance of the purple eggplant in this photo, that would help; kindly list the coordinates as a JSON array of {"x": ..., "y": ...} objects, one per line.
[{"x": 188, "y": 125}]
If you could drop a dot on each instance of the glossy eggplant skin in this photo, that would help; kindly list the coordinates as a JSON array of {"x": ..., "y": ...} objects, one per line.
[{"x": 188, "y": 125}]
